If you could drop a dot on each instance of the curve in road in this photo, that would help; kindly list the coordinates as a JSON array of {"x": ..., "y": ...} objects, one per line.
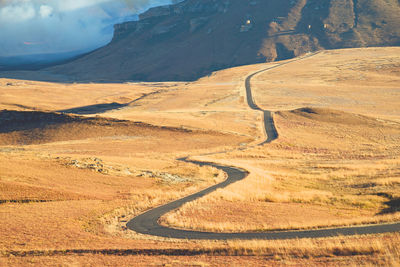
[{"x": 147, "y": 223}]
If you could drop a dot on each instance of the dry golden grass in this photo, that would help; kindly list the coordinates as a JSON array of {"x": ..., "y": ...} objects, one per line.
[
  {"x": 306, "y": 179},
  {"x": 382, "y": 250},
  {"x": 66, "y": 189},
  {"x": 362, "y": 81},
  {"x": 328, "y": 167},
  {"x": 335, "y": 160},
  {"x": 46, "y": 96}
]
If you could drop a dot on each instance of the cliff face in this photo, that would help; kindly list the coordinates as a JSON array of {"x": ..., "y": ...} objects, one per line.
[{"x": 193, "y": 38}]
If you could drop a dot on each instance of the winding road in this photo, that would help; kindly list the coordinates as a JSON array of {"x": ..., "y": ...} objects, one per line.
[{"x": 147, "y": 223}]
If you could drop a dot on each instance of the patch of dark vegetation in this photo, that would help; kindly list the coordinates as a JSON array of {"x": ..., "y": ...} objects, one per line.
[{"x": 364, "y": 185}]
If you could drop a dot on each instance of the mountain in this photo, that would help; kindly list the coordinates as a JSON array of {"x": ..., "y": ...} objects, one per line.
[{"x": 195, "y": 37}]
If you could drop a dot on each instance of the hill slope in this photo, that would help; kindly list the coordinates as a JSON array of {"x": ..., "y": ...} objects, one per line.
[{"x": 193, "y": 38}]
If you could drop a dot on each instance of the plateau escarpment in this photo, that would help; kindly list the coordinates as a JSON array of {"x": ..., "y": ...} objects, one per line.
[{"x": 196, "y": 37}]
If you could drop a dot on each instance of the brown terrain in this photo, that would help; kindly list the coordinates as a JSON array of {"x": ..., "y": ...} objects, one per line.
[
  {"x": 69, "y": 182},
  {"x": 193, "y": 38}
]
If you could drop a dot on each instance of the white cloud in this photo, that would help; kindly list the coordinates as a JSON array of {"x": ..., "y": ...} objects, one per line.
[
  {"x": 68, "y": 5},
  {"x": 53, "y": 26},
  {"x": 45, "y": 11},
  {"x": 17, "y": 12}
]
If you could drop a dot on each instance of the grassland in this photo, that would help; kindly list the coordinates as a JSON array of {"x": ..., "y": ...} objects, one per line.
[
  {"x": 69, "y": 183},
  {"x": 310, "y": 182},
  {"x": 329, "y": 166}
]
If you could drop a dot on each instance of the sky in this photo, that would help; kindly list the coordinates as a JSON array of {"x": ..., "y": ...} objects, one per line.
[{"x": 58, "y": 26}]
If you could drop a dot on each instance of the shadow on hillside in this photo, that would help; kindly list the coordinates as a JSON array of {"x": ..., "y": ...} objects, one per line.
[
  {"x": 393, "y": 204},
  {"x": 11, "y": 121},
  {"x": 94, "y": 109},
  {"x": 120, "y": 252}
]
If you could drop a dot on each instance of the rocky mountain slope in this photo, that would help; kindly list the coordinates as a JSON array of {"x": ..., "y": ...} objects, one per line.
[{"x": 195, "y": 37}]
